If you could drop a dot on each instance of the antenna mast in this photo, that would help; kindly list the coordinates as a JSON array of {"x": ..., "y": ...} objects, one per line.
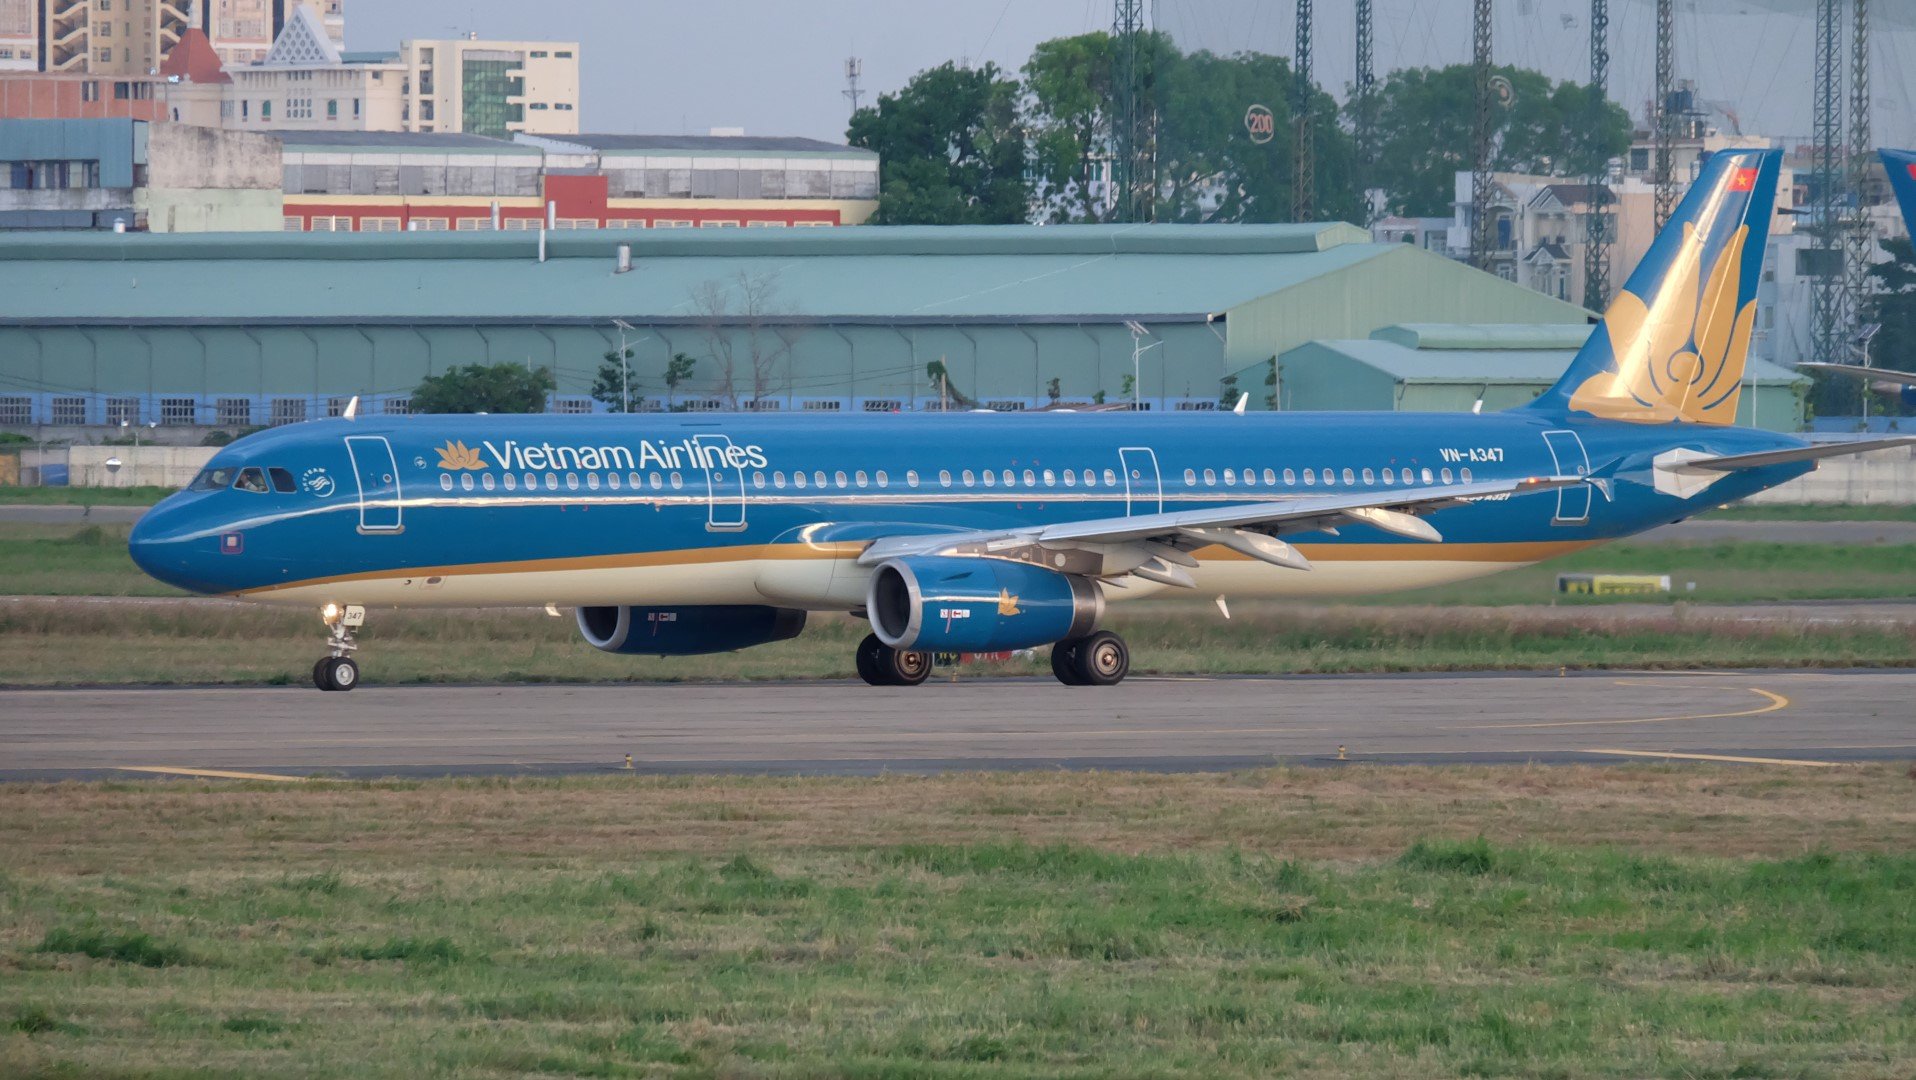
[
  {"x": 1596, "y": 221},
  {"x": 1303, "y": 152},
  {"x": 1481, "y": 234},
  {"x": 1663, "y": 171},
  {"x": 1366, "y": 111},
  {"x": 854, "y": 67},
  {"x": 1861, "y": 155},
  {"x": 1826, "y": 315}
]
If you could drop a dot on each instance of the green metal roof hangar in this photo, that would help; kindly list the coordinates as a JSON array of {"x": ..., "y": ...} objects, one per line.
[{"x": 186, "y": 331}]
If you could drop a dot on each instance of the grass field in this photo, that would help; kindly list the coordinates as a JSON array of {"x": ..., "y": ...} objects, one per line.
[
  {"x": 1566, "y": 922},
  {"x": 56, "y": 642},
  {"x": 83, "y": 496}
]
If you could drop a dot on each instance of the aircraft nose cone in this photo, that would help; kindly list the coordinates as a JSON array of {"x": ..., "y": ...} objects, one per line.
[{"x": 159, "y": 547}]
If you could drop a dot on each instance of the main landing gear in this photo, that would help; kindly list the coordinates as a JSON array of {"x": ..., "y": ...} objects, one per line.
[
  {"x": 1101, "y": 659},
  {"x": 881, "y": 665},
  {"x": 337, "y": 671}
]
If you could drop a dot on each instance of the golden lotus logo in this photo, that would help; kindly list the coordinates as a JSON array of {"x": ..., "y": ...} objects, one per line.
[
  {"x": 456, "y": 455},
  {"x": 1683, "y": 358},
  {"x": 1007, "y": 603}
]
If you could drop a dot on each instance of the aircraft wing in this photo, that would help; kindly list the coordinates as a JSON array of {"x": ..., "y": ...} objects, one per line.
[
  {"x": 1157, "y": 547},
  {"x": 1887, "y": 375}
]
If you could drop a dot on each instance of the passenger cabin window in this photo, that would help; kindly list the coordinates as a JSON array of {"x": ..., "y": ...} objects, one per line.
[
  {"x": 282, "y": 481},
  {"x": 251, "y": 479}
]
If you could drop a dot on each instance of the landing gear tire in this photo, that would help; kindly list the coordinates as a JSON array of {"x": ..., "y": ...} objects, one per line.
[
  {"x": 1064, "y": 662},
  {"x": 881, "y": 665},
  {"x": 336, "y": 673},
  {"x": 1102, "y": 659}
]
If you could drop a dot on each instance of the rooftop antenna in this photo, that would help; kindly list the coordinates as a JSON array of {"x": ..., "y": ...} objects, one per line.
[
  {"x": 1663, "y": 171},
  {"x": 1827, "y": 318},
  {"x": 854, "y": 67},
  {"x": 1858, "y": 239}
]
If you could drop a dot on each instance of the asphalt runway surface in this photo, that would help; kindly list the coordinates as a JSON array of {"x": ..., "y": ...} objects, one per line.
[{"x": 1806, "y": 719}]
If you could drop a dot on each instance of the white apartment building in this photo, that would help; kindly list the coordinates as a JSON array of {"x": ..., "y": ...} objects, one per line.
[{"x": 495, "y": 88}]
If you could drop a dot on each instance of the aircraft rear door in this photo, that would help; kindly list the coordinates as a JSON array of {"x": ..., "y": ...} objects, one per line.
[
  {"x": 725, "y": 485},
  {"x": 1573, "y": 503},
  {"x": 1143, "y": 487},
  {"x": 378, "y": 476}
]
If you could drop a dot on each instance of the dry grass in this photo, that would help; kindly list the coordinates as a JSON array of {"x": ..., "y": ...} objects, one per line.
[
  {"x": 1629, "y": 921},
  {"x": 55, "y": 642}
]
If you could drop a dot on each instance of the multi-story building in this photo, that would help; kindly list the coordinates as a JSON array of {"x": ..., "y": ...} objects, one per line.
[
  {"x": 306, "y": 84},
  {"x": 19, "y": 35},
  {"x": 495, "y": 88},
  {"x": 243, "y": 31},
  {"x": 340, "y": 181}
]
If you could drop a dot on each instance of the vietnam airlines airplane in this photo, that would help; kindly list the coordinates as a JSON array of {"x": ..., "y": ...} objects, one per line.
[
  {"x": 678, "y": 534},
  {"x": 1901, "y": 167}
]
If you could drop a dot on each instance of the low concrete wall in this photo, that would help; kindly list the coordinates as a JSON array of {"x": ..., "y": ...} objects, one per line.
[
  {"x": 140, "y": 466},
  {"x": 1884, "y": 478}
]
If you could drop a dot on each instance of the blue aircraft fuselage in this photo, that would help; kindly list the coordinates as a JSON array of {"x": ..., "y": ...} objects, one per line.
[{"x": 757, "y": 509}]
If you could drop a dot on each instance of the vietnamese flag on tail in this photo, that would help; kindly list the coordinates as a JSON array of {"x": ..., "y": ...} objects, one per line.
[{"x": 1742, "y": 179}]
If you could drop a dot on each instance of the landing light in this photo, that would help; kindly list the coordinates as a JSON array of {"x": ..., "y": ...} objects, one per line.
[{"x": 329, "y": 613}]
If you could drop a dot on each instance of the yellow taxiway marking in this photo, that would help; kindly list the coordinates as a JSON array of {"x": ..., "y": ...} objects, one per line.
[
  {"x": 1776, "y": 702},
  {"x": 213, "y": 774},
  {"x": 1717, "y": 757}
]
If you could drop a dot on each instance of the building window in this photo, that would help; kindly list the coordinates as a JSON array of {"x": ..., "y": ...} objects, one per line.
[
  {"x": 122, "y": 410},
  {"x": 336, "y": 407},
  {"x": 398, "y": 406},
  {"x": 16, "y": 411},
  {"x": 332, "y": 109},
  {"x": 703, "y": 405},
  {"x": 563, "y": 107},
  {"x": 475, "y": 224},
  {"x": 379, "y": 224},
  {"x": 70, "y": 411},
  {"x": 762, "y": 405},
  {"x": 89, "y": 91},
  {"x": 572, "y": 406},
  {"x": 177, "y": 411},
  {"x": 288, "y": 411},
  {"x": 819, "y": 406},
  {"x": 883, "y": 405},
  {"x": 563, "y": 54},
  {"x": 233, "y": 412},
  {"x": 538, "y": 54},
  {"x": 1005, "y": 406},
  {"x": 266, "y": 110},
  {"x": 244, "y": 107},
  {"x": 355, "y": 108},
  {"x": 292, "y": 224}
]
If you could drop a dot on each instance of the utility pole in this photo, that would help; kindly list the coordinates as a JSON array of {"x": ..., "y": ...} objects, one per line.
[
  {"x": 1663, "y": 172},
  {"x": 1826, "y": 313},
  {"x": 1133, "y": 187},
  {"x": 854, "y": 67},
  {"x": 1366, "y": 112},
  {"x": 1303, "y": 151},
  {"x": 1596, "y": 221},
  {"x": 1481, "y": 233}
]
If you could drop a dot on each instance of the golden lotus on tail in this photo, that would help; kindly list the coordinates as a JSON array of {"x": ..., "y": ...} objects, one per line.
[
  {"x": 456, "y": 455},
  {"x": 1684, "y": 358}
]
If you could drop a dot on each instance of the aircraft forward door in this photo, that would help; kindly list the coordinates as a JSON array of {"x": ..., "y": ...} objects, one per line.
[
  {"x": 1143, "y": 487},
  {"x": 724, "y": 484},
  {"x": 1573, "y": 503},
  {"x": 378, "y": 475}
]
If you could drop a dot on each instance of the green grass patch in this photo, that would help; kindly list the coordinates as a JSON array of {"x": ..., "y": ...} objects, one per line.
[
  {"x": 124, "y": 947},
  {"x": 814, "y": 955},
  {"x": 69, "y": 560},
  {"x": 1811, "y": 512},
  {"x": 83, "y": 496}
]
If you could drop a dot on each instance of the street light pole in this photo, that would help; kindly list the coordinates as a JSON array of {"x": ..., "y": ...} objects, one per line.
[{"x": 625, "y": 368}]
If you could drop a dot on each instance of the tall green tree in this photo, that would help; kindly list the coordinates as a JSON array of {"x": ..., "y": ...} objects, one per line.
[
  {"x": 1892, "y": 305},
  {"x": 1426, "y": 123},
  {"x": 614, "y": 386},
  {"x": 487, "y": 388},
  {"x": 950, "y": 149}
]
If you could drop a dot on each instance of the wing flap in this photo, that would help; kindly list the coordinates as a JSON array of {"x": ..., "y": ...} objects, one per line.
[{"x": 1735, "y": 462}]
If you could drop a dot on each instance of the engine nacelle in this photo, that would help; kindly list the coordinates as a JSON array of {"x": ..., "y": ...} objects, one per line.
[
  {"x": 931, "y": 603},
  {"x": 686, "y": 631}
]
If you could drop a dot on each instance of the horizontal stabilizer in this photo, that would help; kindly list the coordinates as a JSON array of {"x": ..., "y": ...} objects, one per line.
[
  {"x": 1900, "y": 378},
  {"x": 1734, "y": 462}
]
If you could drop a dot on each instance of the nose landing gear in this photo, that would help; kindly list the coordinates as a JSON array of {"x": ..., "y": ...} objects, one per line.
[{"x": 337, "y": 670}]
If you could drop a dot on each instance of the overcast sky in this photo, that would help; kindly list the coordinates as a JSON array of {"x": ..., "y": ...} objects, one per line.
[{"x": 776, "y": 67}]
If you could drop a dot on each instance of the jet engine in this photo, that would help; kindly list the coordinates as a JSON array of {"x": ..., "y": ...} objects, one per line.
[
  {"x": 930, "y": 603},
  {"x": 686, "y": 631}
]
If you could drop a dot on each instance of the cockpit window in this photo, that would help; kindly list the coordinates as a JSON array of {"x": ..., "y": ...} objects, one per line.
[
  {"x": 213, "y": 479},
  {"x": 251, "y": 479},
  {"x": 282, "y": 481}
]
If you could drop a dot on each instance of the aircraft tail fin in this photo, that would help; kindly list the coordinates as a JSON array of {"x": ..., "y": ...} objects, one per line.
[
  {"x": 1901, "y": 166},
  {"x": 1673, "y": 344}
]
